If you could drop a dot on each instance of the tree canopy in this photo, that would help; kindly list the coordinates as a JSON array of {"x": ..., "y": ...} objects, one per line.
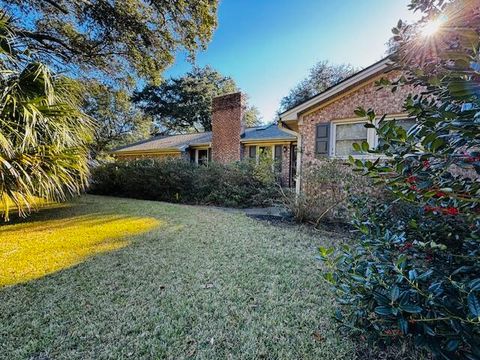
[
  {"x": 118, "y": 121},
  {"x": 117, "y": 40},
  {"x": 184, "y": 104},
  {"x": 321, "y": 76},
  {"x": 44, "y": 137}
]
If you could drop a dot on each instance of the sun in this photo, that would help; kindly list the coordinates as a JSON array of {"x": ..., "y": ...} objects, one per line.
[{"x": 433, "y": 26}]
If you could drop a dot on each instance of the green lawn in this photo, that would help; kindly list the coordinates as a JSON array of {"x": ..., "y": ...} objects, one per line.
[{"x": 120, "y": 278}]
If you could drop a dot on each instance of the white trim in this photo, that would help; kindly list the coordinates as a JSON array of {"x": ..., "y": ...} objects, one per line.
[
  {"x": 293, "y": 114},
  {"x": 284, "y": 128},
  {"x": 298, "y": 178}
]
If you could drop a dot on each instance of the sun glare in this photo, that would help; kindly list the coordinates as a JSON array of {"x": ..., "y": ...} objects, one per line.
[{"x": 433, "y": 26}]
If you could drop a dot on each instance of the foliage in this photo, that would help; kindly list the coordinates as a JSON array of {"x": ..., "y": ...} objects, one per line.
[
  {"x": 327, "y": 194},
  {"x": 415, "y": 271},
  {"x": 184, "y": 104},
  {"x": 117, "y": 40},
  {"x": 117, "y": 121},
  {"x": 43, "y": 135},
  {"x": 321, "y": 76},
  {"x": 240, "y": 184},
  {"x": 252, "y": 116}
]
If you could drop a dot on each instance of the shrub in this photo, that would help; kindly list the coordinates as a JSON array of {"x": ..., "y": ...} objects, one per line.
[
  {"x": 174, "y": 180},
  {"x": 414, "y": 271},
  {"x": 327, "y": 194}
]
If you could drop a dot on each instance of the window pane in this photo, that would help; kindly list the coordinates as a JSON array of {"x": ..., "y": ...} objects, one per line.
[
  {"x": 356, "y": 131},
  {"x": 252, "y": 152},
  {"x": 202, "y": 157},
  {"x": 345, "y": 147},
  {"x": 405, "y": 124},
  {"x": 348, "y": 134},
  {"x": 278, "y": 152}
]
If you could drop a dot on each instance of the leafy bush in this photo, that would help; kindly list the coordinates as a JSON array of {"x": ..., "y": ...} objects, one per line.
[
  {"x": 327, "y": 194},
  {"x": 414, "y": 271},
  {"x": 237, "y": 185}
]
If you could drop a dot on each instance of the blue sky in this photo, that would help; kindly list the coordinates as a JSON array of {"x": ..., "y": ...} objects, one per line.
[{"x": 267, "y": 46}]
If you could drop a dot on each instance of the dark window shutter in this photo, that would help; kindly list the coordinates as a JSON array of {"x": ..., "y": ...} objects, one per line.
[
  {"x": 322, "y": 139},
  {"x": 252, "y": 152},
  {"x": 278, "y": 156}
]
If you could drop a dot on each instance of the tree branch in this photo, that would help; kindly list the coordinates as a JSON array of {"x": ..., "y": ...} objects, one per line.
[
  {"x": 57, "y": 6},
  {"x": 42, "y": 37}
]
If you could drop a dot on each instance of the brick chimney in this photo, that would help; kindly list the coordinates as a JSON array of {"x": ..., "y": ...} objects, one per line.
[{"x": 227, "y": 127}]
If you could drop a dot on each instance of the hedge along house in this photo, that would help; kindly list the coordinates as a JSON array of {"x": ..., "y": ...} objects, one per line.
[
  {"x": 229, "y": 141},
  {"x": 327, "y": 126}
]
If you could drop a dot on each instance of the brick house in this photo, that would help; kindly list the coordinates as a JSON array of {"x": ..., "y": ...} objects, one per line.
[
  {"x": 324, "y": 126},
  {"x": 229, "y": 141}
]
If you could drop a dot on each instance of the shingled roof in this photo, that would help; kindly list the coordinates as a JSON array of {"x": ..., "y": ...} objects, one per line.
[
  {"x": 182, "y": 142},
  {"x": 171, "y": 143},
  {"x": 268, "y": 132}
]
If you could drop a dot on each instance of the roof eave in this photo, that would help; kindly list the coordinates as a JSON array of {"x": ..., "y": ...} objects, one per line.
[
  {"x": 293, "y": 114},
  {"x": 270, "y": 140},
  {"x": 149, "y": 151}
]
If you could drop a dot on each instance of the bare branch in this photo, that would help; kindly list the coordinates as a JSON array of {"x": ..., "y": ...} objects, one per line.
[{"x": 57, "y": 6}]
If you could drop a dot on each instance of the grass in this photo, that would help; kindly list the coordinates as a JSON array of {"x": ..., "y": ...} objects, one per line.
[{"x": 117, "y": 278}]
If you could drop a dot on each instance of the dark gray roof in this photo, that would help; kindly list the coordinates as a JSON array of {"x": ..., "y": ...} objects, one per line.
[
  {"x": 182, "y": 142},
  {"x": 268, "y": 132},
  {"x": 173, "y": 142}
]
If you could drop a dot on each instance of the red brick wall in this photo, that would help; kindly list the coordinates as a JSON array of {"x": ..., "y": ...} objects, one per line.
[
  {"x": 382, "y": 101},
  {"x": 227, "y": 127}
]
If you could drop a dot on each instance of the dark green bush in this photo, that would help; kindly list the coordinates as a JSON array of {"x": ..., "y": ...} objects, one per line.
[
  {"x": 413, "y": 272},
  {"x": 241, "y": 184}
]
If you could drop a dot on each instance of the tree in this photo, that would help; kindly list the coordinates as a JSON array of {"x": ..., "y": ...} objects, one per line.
[
  {"x": 321, "y": 76},
  {"x": 120, "y": 40},
  {"x": 252, "y": 116},
  {"x": 413, "y": 270},
  {"x": 118, "y": 122},
  {"x": 43, "y": 136},
  {"x": 184, "y": 104}
]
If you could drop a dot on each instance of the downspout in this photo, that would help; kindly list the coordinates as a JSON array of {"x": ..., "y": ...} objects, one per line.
[{"x": 298, "y": 179}]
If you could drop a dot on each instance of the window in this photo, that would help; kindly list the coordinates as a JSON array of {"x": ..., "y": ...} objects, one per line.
[
  {"x": 263, "y": 150},
  {"x": 202, "y": 157},
  {"x": 348, "y": 134},
  {"x": 345, "y": 134},
  {"x": 273, "y": 152},
  {"x": 404, "y": 123}
]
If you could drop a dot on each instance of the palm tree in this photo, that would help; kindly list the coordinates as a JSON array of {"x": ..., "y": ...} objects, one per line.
[{"x": 44, "y": 136}]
